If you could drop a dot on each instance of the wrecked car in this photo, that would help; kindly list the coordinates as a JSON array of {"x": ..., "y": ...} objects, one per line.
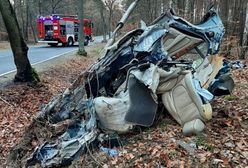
[{"x": 171, "y": 62}]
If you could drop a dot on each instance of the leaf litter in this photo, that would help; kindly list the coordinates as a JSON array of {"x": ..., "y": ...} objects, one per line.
[{"x": 224, "y": 142}]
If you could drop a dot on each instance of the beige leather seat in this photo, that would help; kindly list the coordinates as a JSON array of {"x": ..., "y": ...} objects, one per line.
[
  {"x": 181, "y": 99},
  {"x": 111, "y": 112}
]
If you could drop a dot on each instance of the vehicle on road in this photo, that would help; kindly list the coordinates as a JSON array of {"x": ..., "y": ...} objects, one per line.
[{"x": 55, "y": 29}]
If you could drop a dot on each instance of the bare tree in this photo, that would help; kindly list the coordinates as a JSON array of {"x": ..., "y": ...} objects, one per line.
[
  {"x": 244, "y": 37},
  {"x": 110, "y": 4},
  {"x": 165, "y": 5},
  {"x": 55, "y": 4},
  {"x": 32, "y": 18},
  {"x": 81, "y": 50},
  {"x": 181, "y": 7},
  {"x": 224, "y": 8},
  {"x": 190, "y": 10},
  {"x": 25, "y": 72},
  {"x": 101, "y": 7},
  {"x": 198, "y": 11}
]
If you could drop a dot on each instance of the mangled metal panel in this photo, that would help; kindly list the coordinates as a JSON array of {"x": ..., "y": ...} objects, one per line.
[
  {"x": 72, "y": 142},
  {"x": 210, "y": 29},
  {"x": 146, "y": 45}
]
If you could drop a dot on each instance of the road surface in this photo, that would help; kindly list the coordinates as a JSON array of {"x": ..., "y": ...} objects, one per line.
[{"x": 36, "y": 55}]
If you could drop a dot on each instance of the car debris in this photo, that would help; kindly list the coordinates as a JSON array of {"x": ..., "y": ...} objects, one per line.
[
  {"x": 110, "y": 152},
  {"x": 189, "y": 147},
  {"x": 172, "y": 62}
]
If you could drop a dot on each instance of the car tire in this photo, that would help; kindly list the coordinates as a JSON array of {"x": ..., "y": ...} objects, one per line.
[
  {"x": 86, "y": 41},
  {"x": 70, "y": 42}
]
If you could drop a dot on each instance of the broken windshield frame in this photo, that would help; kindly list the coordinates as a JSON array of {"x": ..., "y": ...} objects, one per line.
[
  {"x": 181, "y": 46},
  {"x": 196, "y": 55}
]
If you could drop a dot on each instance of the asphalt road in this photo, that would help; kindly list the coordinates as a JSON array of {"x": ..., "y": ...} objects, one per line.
[{"x": 36, "y": 54}]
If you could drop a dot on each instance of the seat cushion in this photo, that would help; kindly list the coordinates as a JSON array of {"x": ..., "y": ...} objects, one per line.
[{"x": 183, "y": 102}]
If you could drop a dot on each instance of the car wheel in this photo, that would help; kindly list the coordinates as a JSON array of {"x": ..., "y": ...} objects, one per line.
[
  {"x": 86, "y": 41},
  {"x": 70, "y": 42}
]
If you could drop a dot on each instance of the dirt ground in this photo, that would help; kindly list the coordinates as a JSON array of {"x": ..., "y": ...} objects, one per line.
[
  {"x": 4, "y": 45},
  {"x": 224, "y": 143}
]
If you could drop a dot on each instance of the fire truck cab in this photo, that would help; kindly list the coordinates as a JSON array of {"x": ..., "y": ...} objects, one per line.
[{"x": 63, "y": 29}]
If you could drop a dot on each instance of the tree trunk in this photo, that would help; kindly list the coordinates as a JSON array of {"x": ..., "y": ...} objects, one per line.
[
  {"x": 199, "y": 11},
  {"x": 236, "y": 17},
  {"x": 100, "y": 6},
  {"x": 110, "y": 4},
  {"x": 166, "y": 5},
  {"x": 103, "y": 24},
  {"x": 81, "y": 50},
  {"x": 32, "y": 19},
  {"x": 181, "y": 7},
  {"x": 224, "y": 12},
  {"x": 53, "y": 7},
  {"x": 245, "y": 35},
  {"x": 27, "y": 21},
  {"x": 39, "y": 6},
  {"x": 110, "y": 22},
  {"x": 23, "y": 21},
  {"x": 25, "y": 73},
  {"x": 190, "y": 11}
]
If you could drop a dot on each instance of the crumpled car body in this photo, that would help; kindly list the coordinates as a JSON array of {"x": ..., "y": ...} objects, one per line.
[
  {"x": 171, "y": 62},
  {"x": 186, "y": 69},
  {"x": 169, "y": 36}
]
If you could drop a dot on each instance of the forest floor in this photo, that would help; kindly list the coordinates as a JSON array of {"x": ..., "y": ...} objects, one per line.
[{"x": 224, "y": 143}]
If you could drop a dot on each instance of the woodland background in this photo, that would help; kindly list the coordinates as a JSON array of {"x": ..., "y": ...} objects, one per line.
[{"x": 106, "y": 13}]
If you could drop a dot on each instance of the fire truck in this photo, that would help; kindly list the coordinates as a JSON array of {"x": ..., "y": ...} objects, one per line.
[{"x": 55, "y": 29}]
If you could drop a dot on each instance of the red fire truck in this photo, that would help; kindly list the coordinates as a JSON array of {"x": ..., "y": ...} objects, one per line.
[{"x": 63, "y": 29}]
